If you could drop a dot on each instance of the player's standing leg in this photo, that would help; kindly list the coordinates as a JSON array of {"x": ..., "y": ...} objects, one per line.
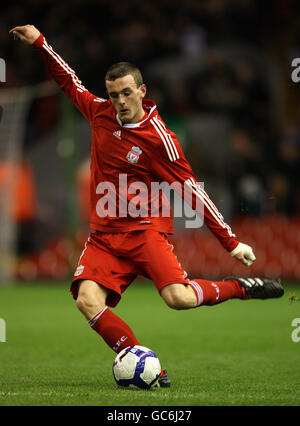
[{"x": 91, "y": 301}]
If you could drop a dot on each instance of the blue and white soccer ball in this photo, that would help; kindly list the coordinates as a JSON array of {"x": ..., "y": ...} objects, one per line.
[{"x": 136, "y": 366}]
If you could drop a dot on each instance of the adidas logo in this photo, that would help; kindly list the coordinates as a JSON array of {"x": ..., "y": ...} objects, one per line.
[{"x": 117, "y": 134}]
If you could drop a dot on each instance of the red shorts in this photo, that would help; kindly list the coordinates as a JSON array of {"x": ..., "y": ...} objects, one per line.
[{"x": 114, "y": 260}]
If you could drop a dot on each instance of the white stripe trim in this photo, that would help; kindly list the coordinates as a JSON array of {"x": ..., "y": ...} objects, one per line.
[
  {"x": 174, "y": 146},
  {"x": 65, "y": 66},
  {"x": 209, "y": 205},
  {"x": 100, "y": 100},
  {"x": 45, "y": 43},
  {"x": 95, "y": 318},
  {"x": 168, "y": 138},
  {"x": 85, "y": 247},
  {"x": 171, "y": 142},
  {"x": 163, "y": 139},
  {"x": 203, "y": 193},
  {"x": 168, "y": 142},
  {"x": 213, "y": 207},
  {"x": 198, "y": 290},
  {"x": 193, "y": 189}
]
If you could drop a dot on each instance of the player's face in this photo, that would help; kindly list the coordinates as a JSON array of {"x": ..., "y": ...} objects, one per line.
[{"x": 127, "y": 98}]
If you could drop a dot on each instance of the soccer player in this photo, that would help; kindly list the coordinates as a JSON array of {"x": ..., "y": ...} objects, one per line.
[{"x": 132, "y": 148}]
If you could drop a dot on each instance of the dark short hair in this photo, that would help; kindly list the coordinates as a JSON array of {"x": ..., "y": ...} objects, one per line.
[{"x": 120, "y": 69}]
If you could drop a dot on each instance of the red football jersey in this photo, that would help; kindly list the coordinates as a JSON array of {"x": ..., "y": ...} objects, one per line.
[{"x": 128, "y": 161}]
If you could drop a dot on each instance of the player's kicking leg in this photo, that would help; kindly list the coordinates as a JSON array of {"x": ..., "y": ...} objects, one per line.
[
  {"x": 203, "y": 292},
  {"x": 259, "y": 288}
]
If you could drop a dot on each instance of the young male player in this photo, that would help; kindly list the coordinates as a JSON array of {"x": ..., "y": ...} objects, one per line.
[{"x": 130, "y": 141}]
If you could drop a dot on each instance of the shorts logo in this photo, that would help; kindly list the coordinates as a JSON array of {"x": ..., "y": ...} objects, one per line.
[
  {"x": 79, "y": 270},
  {"x": 134, "y": 154}
]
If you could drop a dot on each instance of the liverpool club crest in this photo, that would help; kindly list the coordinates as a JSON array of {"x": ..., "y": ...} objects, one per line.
[{"x": 134, "y": 154}]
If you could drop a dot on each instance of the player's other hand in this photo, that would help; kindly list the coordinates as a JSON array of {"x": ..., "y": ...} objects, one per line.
[
  {"x": 26, "y": 33},
  {"x": 244, "y": 253}
]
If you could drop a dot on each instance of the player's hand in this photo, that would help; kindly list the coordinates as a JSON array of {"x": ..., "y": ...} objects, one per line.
[
  {"x": 26, "y": 33},
  {"x": 244, "y": 253}
]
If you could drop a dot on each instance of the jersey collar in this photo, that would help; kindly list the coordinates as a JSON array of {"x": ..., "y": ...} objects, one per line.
[{"x": 149, "y": 107}]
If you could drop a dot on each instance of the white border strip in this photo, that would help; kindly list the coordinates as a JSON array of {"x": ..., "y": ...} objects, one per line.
[
  {"x": 95, "y": 318},
  {"x": 198, "y": 290}
]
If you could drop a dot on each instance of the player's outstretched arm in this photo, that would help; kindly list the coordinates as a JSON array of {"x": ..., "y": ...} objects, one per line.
[
  {"x": 26, "y": 33},
  {"x": 60, "y": 71},
  {"x": 170, "y": 165}
]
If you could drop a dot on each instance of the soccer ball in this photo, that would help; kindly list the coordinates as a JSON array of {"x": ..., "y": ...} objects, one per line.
[{"x": 137, "y": 366}]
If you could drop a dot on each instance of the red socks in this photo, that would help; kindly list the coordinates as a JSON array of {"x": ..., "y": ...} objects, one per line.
[
  {"x": 213, "y": 292},
  {"x": 115, "y": 332},
  {"x": 118, "y": 335}
]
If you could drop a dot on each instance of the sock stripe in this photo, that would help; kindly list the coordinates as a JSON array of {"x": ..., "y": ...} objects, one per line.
[
  {"x": 198, "y": 290},
  {"x": 94, "y": 319}
]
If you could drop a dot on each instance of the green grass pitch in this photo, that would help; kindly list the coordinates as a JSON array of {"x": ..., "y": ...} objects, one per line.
[{"x": 235, "y": 353}]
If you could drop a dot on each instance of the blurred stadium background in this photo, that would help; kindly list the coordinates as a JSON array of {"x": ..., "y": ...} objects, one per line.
[{"x": 220, "y": 72}]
